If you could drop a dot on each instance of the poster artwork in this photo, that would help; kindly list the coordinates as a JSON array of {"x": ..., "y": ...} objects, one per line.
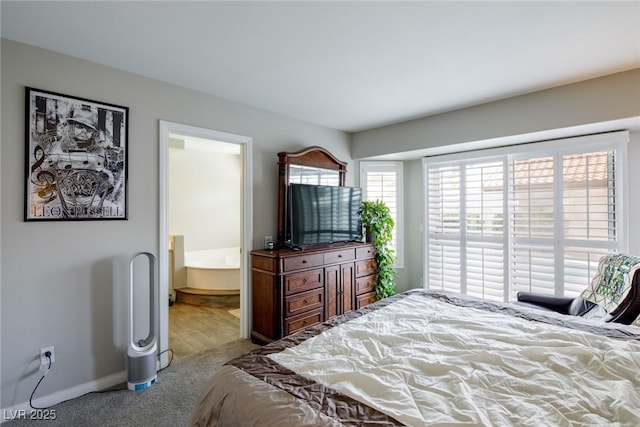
[{"x": 76, "y": 152}]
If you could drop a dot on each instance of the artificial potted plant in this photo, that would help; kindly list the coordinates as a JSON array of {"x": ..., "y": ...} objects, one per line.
[{"x": 378, "y": 224}]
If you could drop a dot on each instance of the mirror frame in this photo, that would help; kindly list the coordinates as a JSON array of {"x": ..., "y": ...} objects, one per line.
[{"x": 313, "y": 157}]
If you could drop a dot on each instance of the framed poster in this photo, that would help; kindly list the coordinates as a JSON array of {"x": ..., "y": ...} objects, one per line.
[{"x": 76, "y": 158}]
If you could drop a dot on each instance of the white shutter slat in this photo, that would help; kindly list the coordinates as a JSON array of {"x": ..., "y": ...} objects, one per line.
[
  {"x": 484, "y": 200},
  {"x": 383, "y": 181},
  {"x": 443, "y": 218},
  {"x": 589, "y": 201},
  {"x": 532, "y": 268},
  {"x": 532, "y": 220},
  {"x": 580, "y": 267},
  {"x": 444, "y": 266},
  {"x": 444, "y": 200}
]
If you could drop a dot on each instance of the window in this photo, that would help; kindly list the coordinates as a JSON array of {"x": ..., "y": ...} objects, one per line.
[
  {"x": 384, "y": 181},
  {"x": 313, "y": 176},
  {"x": 534, "y": 217}
]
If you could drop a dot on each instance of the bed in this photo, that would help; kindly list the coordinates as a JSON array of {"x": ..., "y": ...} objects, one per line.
[{"x": 431, "y": 358}]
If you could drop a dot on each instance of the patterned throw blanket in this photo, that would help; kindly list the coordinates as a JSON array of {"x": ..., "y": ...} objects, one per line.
[{"x": 613, "y": 281}]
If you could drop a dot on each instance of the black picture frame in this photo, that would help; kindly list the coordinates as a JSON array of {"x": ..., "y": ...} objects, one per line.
[{"x": 76, "y": 158}]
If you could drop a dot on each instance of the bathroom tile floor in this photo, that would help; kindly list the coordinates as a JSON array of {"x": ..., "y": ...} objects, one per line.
[{"x": 194, "y": 328}]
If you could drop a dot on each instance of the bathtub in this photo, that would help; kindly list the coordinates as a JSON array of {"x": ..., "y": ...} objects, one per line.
[{"x": 216, "y": 270}]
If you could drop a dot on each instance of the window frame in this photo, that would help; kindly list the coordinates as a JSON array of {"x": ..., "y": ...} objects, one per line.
[
  {"x": 398, "y": 168},
  {"x": 560, "y": 147}
]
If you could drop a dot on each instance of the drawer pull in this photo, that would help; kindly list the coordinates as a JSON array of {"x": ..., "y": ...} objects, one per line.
[
  {"x": 304, "y": 261},
  {"x": 304, "y": 280},
  {"x": 304, "y": 301},
  {"x": 339, "y": 255},
  {"x": 304, "y": 322}
]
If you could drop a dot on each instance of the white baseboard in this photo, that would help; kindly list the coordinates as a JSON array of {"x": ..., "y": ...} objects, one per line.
[{"x": 23, "y": 410}]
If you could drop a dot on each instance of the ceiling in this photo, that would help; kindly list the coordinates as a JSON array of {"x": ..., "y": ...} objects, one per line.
[{"x": 350, "y": 65}]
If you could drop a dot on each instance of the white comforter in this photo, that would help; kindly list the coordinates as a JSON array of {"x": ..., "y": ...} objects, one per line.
[{"x": 426, "y": 362}]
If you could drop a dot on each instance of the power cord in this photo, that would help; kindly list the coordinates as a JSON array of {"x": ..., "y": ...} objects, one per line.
[
  {"x": 170, "y": 360},
  {"x": 48, "y": 356}
]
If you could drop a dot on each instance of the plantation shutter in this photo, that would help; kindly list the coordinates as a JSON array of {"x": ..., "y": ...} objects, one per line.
[
  {"x": 484, "y": 212},
  {"x": 383, "y": 181},
  {"x": 444, "y": 228},
  {"x": 465, "y": 226},
  {"x": 536, "y": 217},
  {"x": 591, "y": 210},
  {"x": 531, "y": 213}
]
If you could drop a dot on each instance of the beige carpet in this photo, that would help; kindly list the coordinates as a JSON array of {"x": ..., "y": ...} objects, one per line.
[{"x": 167, "y": 404}]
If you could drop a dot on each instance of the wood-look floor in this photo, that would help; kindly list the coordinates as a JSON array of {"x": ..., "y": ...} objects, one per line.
[{"x": 194, "y": 328}]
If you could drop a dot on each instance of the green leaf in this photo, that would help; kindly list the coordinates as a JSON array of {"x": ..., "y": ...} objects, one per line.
[{"x": 376, "y": 218}]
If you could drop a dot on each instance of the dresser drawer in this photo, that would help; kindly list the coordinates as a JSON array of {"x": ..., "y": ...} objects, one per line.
[
  {"x": 300, "y": 322},
  {"x": 366, "y": 284},
  {"x": 366, "y": 267},
  {"x": 300, "y": 282},
  {"x": 301, "y": 262},
  {"x": 263, "y": 263},
  {"x": 365, "y": 299},
  {"x": 366, "y": 252},
  {"x": 339, "y": 256},
  {"x": 304, "y": 302}
]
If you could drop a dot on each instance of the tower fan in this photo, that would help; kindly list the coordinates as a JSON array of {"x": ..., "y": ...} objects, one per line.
[{"x": 142, "y": 353}]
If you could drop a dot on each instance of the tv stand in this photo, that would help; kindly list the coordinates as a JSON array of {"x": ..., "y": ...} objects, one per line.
[{"x": 293, "y": 290}]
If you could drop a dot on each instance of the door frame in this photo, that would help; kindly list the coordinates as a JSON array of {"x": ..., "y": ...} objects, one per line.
[{"x": 167, "y": 128}]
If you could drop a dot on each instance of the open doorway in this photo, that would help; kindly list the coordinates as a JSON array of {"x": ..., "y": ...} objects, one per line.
[{"x": 205, "y": 231}]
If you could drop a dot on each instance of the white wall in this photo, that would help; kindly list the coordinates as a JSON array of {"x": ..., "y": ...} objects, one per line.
[
  {"x": 62, "y": 283},
  {"x": 550, "y": 113},
  {"x": 205, "y": 198}
]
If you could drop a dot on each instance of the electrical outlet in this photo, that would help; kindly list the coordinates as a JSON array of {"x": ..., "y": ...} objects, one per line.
[{"x": 43, "y": 359}]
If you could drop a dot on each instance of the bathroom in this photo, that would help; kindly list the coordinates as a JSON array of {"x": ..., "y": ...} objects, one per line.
[{"x": 204, "y": 221}]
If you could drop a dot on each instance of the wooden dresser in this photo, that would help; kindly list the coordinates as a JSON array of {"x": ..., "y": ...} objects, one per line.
[{"x": 296, "y": 289}]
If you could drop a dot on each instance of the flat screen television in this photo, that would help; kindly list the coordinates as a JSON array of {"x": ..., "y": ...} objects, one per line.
[{"x": 323, "y": 214}]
